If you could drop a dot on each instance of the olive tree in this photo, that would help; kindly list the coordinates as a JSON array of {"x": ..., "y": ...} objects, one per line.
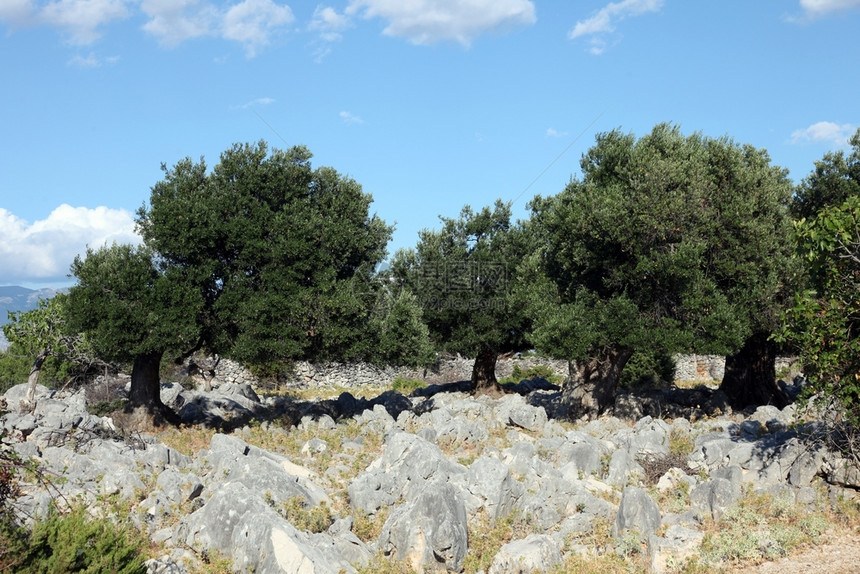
[
  {"x": 257, "y": 260},
  {"x": 672, "y": 243},
  {"x": 461, "y": 275}
]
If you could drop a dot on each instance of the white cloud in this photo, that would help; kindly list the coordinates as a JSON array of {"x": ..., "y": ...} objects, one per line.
[
  {"x": 17, "y": 12},
  {"x": 79, "y": 20},
  {"x": 329, "y": 23},
  {"x": 82, "y": 18},
  {"x": 818, "y": 8},
  {"x": 257, "y": 102},
  {"x": 174, "y": 21},
  {"x": 42, "y": 251},
  {"x": 252, "y": 22},
  {"x": 827, "y": 132},
  {"x": 91, "y": 61},
  {"x": 604, "y": 20},
  {"x": 554, "y": 133},
  {"x": 349, "y": 118},
  {"x": 431, "y": 21}
]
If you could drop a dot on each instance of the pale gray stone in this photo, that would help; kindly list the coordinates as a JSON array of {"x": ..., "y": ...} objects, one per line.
[
  {"x": 637, "y": 514},
  {"x": 534, "y": 553},
  {"x": 429, "y": 531}
]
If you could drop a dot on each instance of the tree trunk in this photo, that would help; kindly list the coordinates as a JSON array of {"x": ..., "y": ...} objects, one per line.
[
  {"x": 750, "y": 378},
  {"x": 484, "y": 373},
  {"x": 146, "y": 388},
  {"x": 591, "y": 386},
  {"x": 33, "y": 379}
]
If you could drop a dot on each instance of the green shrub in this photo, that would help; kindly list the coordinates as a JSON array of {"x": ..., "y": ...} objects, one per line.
[
  {"x": 72, "y": 542},
  {"x": 648, "y": 368},
  {"x": 315, "y": 519},
  {"x": 534, "y": 372},
  {"x": 407, "y": 386}
]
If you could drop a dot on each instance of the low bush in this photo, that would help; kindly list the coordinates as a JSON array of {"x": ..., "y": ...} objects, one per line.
[
  {"x": 407, "y": 386},
  {"x": 534, "y": 372},
  {"x": 60, "y": 542}
]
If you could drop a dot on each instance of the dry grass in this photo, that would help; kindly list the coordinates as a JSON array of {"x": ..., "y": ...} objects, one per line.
[
  {"x": 693, "y": 383},
  {"x": 187, "y": 440}
]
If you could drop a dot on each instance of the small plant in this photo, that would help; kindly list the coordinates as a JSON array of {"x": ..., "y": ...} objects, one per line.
[
  {"x": 103, "y": 408},
  {"x": 534, "y": 372},
  {"x": 368, "y": 527},
  {"x": 760, "y": 526},
  {"x": 486, "y": 538},
  {"x": 315, "y": 519},
  {"x": 407, "y": 386},
  {"x": 381, "y": 564},
  {"x": 681, "y": 442}
]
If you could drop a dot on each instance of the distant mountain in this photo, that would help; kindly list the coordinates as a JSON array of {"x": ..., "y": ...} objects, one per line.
[{"x": 14, "y": 298}]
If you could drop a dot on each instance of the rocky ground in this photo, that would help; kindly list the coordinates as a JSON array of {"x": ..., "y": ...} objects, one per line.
[{"x": 443, "y": 481}]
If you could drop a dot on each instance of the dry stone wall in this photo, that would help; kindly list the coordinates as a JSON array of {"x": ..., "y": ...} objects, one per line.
[
  {"x": 703, "y": 368},
  {"x": 349, "y": 375}
]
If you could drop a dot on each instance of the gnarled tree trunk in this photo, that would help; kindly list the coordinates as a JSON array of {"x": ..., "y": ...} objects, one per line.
[
  {"x": 484, "y": 373},
  {"x": 33, "y": 379},
  {"x": 591, "y": 387},
  {"x": 146, "y": 388},
  {"x": 750, "y": 378}
]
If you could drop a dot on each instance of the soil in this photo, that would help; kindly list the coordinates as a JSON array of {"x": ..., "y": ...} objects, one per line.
[{"x": 841, "y": 555}]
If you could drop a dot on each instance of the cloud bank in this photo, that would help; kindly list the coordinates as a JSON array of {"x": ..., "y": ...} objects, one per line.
[
  {"x": 824, "y": 132},
  {"x": 820, "y": 8},
  {"x": 432, "y": 21},
  {"x": 41, "y": 252},
  {"x": 251, "y": 23},
  {"x": 604, "y": 20}
]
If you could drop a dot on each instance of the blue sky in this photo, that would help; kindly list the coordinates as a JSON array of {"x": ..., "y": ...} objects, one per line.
[{"x": 429, "y": 104}]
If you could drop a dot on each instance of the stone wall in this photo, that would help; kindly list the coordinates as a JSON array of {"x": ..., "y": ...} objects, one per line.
[
  {"x": 703, "y": 368},
  {"x": 348, "y": 375},
  {"x": 712, "y": 367}
]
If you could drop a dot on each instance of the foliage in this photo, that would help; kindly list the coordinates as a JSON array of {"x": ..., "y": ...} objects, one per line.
[
  {"x": 407, "y": 386},
  {"x": 461, "y": 275},
  {"x": 669, "y": 242},
  {"x": 128, "y": 307},
  {"x": 403, "y": 336},
  {"x": 760, "y": 526},
  {"x": 60, "y": 542},
  {"x": 834, "y": 179},
  {"x": 256, "y": 261},
  {"x": 824, "y": 320},
  {"x": 74, "y": 542},
  {"x": 273, "y": 248},
  {"x": 535, "y": 371},
  {"x": 44, "y": 330},
  {"x": 648, "y": 367},
  {"x": 487, "y": 538},
  {"x": 14, "y": 368}
]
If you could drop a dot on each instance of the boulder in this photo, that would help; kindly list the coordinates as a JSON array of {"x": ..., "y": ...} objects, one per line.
[
  {"x": 637, "y": 514},
  {"x": 490, "y": 481},
  {"x": 429, "y": 531},
  {"x": 237, "y": 523},
  {"x": 714, "y": 497},
  {"x": 406, "y": 465},
  {"x": 534, "y": 553}
]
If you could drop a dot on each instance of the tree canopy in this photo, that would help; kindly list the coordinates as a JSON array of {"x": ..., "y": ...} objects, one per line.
[
  {"x": 835, "y": 178},
  {"x": 462, "y": 274},
  {"x": 671, "y": 242}
]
